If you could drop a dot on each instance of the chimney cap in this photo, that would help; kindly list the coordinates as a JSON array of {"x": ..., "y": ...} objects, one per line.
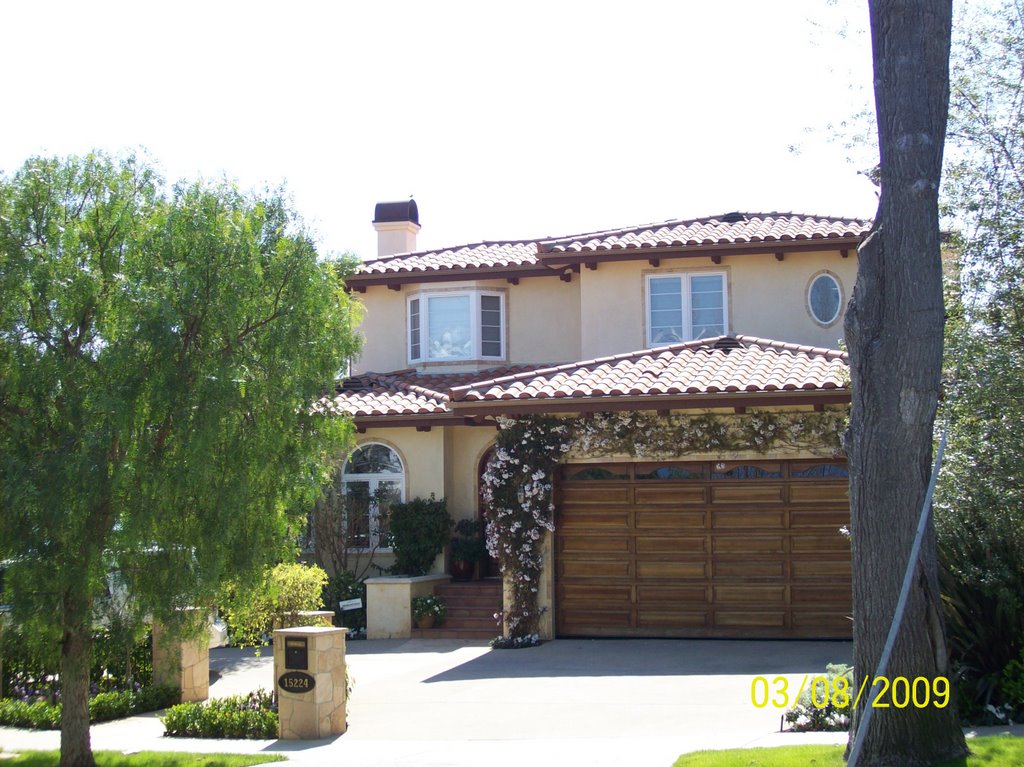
[{"x": 402, "y": 210}]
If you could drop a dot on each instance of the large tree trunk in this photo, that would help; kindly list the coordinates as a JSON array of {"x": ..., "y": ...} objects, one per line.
[
  {"x": 894, "y": 330},
  {"x": 75, "y": 656}
]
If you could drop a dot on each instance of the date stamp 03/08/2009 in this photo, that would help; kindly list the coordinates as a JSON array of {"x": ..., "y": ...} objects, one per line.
[{"x": 899, "y": 692}]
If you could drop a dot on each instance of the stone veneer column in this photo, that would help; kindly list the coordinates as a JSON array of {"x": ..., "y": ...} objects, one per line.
[
  {"x": 320, "y": 712},
  {"x": 182, "y": 663}
]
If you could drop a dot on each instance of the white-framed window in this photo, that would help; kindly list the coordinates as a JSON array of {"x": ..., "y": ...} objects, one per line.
[
  {"x": 685, "y": 306},
  {"x": 456, "y": 325},
  {"x": 372, "y": 480},
  {"x": 824, "y": 298}
]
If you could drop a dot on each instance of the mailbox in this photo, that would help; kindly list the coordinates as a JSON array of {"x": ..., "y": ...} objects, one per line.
[{"x": 296, "y": 653}]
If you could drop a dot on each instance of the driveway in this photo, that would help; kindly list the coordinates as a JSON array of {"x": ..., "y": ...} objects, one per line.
[{"x": 569, "y": 701}]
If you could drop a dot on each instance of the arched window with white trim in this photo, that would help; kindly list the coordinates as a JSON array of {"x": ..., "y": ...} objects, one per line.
[{"x": 372, "y": 480}]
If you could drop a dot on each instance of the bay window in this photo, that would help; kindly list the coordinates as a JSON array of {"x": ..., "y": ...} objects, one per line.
[{"x": 456, "y": 325}]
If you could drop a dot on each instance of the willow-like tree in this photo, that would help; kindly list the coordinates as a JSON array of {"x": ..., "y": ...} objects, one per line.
[
  {"x": 159, "y": 356},
  {"x": 894, "y": 329}
]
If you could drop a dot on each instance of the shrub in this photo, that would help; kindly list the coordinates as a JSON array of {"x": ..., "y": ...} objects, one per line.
[
  {"x": 37, "y": 715},
  {"x": 103, "y": 707},
  {"x": 468, "y": 543},
  {"x": 419, "y": 530},
  {"x": 806, "y": 715},
  {"x": 251, "y": 611},
  {"x": 240, "y": 716},
  {"x": 346, "y": 585}
]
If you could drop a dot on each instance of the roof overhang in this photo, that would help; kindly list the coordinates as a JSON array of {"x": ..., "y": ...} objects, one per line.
[
  {"x": 843, "y": 245},
  {"x": 732, "y": 400}
]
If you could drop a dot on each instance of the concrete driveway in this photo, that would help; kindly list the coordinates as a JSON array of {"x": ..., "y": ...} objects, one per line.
[{"x": 568, "y": 702}]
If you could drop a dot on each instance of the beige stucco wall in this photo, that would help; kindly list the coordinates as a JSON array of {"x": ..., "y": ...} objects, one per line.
[
  {"x": 464, "y": 447},
  {"x": 542, "y": 324},
  {"x": 766, "y": 298},
  {"x": 769, "y": 298},
  {"x": 383, "y": 331}
]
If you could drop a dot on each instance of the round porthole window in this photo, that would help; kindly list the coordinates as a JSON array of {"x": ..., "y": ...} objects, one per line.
[{"x": 824, "y": 298}]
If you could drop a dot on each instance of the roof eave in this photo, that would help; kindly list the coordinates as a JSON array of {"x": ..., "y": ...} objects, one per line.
[
  {"x": 607, "y": 255},
  {"x": 528, "y": 406},
  {"x": 360, "y": 282}
]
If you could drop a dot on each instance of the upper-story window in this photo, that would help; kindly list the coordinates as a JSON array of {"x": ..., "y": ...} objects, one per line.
[
  {"x": 685, "y": 307},
  {"x": 824, "y": 298},
  {"x": 457, "y": 325}
]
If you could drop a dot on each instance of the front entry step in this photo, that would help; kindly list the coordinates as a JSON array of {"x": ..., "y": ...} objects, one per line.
[{"x": 471, "y": 609}]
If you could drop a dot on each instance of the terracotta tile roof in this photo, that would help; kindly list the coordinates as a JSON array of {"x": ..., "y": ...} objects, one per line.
[
  {"x": 723, "y": 365},
  {"x": 478, "y": 255},
  {"x": 727, "y": 364},
  {"x": 403, "y": 392},
  {"x": 732, "y": 229}
]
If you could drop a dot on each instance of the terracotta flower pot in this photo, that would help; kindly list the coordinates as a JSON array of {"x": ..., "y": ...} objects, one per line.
[
  {"x": 425, "y": 621},
  {"x": 462, "y": 570}
]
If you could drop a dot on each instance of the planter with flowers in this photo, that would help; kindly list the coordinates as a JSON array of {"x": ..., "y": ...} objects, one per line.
[{"x": 428, "y": 611}]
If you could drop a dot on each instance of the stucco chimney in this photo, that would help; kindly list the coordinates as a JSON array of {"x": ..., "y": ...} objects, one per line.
[{"x": 397, "y": 224}]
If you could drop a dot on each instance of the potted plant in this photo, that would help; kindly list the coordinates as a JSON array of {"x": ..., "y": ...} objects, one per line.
[
  {"x": 467, "y": 547},
  {"x": 428, "y": 611}
]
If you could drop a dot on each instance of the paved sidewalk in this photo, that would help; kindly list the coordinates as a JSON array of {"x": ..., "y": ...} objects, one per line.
[{"x": 443, "y": 702}]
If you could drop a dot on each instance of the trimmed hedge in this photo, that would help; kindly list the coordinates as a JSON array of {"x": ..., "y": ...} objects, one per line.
[
  {"x": 43, "y": 715},
  {"x": 240, "y": 716}
]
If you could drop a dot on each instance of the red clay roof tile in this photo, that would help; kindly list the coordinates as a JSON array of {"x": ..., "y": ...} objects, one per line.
[
  {"x": 709, "y": 366},
  {"x": 725, "y": 230}
]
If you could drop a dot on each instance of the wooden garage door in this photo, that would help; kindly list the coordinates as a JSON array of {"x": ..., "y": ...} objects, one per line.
[{"x": 741, "y": 549}]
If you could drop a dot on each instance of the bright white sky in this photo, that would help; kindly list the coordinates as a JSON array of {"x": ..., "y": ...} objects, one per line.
[{"x": 504, "y": 120}]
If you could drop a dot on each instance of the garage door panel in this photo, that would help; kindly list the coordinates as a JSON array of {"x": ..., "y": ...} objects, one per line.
[
  {"x": 671, "y": 520},
  {"x": 754, "y": 492},
  {"x": 750, "y": 595},
  {"x": 600, "y": 495},
  {"x": 750, "y": 619},
  {"x": 670, "y": 544},
  {"x": 578, "y": 593},
  {"x": 651, "y": 569},
  {"x": 595, "y": 569},
  {"x": 838, "y": 569},
  {"x": 809, "y": 492},
  {"x": 749, "y": 544},
  {"x": 744, "y": 568},
  {"x": 684, "y": 619},
  {"x": 585, "y": 619},
  {"x": 819, "y": 517},
  {"x": 801, "y": 544},
  {"x": 673, "y": 496},
  {"x": 747, "y": 519},
  {"x": 588, "y": 521},
  {"x": 836, "y": 624},
  {"x": 822, "y": 595},
  {"x": 703, "y": 553},
  {"x": 586, "y": 544},
  {"x": 681, "y": 597}
]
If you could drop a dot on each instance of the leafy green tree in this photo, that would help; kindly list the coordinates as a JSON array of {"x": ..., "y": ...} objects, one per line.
[
  {"x": 160, "y": 355},
  {"x": 980, "y": 499}
]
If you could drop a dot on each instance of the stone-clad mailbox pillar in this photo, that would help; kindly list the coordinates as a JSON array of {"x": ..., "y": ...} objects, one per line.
[
  {"x": 310, "y": 678},
  {"x": 182, "y": 663}
]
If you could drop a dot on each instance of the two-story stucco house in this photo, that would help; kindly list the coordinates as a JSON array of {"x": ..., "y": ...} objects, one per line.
[{"x": 732, "y": 316}]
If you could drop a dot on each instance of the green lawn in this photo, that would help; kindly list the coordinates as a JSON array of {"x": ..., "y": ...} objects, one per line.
[
  {"x": 145, "y": 759},
  {"x": 995, "y": 750}
]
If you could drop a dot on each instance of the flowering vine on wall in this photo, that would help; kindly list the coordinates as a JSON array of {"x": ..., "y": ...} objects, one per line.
[{"x": 517, "y": 484}]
